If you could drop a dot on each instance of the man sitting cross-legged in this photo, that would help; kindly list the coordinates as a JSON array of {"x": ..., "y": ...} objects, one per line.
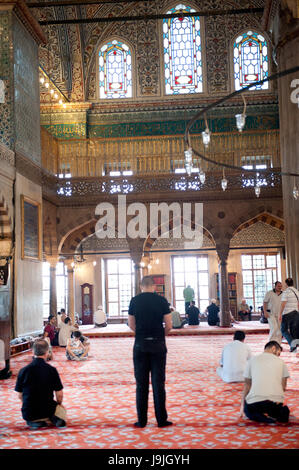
[{"x": 35, "y": 386}]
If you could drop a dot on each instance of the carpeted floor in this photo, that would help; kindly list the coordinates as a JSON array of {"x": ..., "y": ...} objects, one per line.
[{"x": 100, "y": 399}]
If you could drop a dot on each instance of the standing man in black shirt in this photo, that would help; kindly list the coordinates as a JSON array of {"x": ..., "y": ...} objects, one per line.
[
  {"x": 35, "y": 385},
  {"x": 147, "y": 313}
]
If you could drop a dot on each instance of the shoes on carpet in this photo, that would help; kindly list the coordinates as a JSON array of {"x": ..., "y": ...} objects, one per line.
[
  {"x": 163, "y": 425},
  {"x": 139, "y": 425},
  {"x": 36, "y": 424},
  {"x": 58, "y": 422}
]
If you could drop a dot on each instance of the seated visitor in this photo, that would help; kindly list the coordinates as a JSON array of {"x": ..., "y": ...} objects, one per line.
[
  {"x": 50, "y": 351},
  {"x": 176, "y": 319},
  {"x": 100, "y": 319},
  {"x": 5, "y": 372},
  {"x": 234, "y": 359},
  {"x": 75, "y": 349},
  {"x": 265, "y": 383},
  {"x": 51, "y": 331},
  {"x": 213, "y": 313},
  {"x": 193, "y": 314},
  {"x": 244, "y": 310},
  {"x": 36, "y": 384},
  {"x": 84, "y": 340},
  {"x": 65, "y": 331}
]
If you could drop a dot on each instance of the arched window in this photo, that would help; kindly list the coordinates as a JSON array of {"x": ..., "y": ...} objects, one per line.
[
  {"x": 182, "y": 52},
  {"x": 250, "y": 60},
  {"x": 115, "y": 70}
]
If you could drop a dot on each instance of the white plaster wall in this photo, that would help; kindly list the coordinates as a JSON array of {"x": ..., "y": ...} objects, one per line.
[{"x": 28, "y": 312}]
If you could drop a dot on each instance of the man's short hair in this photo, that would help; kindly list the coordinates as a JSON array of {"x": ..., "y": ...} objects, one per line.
[
  {"x": 270, "y": 345},
  {"x": 239, "y": 335},
  {"x": 40, "y": 347},
  {"x": 277, "y": 282},
  {"x": 147, "y": 281},
  {"x": 289, "y": 281}
]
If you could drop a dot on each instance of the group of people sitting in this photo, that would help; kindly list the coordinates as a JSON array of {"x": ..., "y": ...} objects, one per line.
[
  {"x": 192, "y": 315},
  {"x": 264, "y": 376},
  {"x": 63, "y": 333}
]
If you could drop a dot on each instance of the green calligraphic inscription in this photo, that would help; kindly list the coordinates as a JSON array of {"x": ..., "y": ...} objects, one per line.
[{"x": 140, "y": 129}]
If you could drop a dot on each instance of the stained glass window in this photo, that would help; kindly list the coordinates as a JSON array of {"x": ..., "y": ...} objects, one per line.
[
  {"x": 182, "y": 53},
  {"x": 115, "y": 70},
  {"x": 250, "y": 60}
]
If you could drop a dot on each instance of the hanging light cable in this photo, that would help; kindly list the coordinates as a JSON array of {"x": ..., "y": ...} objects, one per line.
[
  {"x": 224, "y": 182},
  {"x": 206, "y": 135},
  {"x": 241, "y": 118},
  {"x": 295, "y": 190}
]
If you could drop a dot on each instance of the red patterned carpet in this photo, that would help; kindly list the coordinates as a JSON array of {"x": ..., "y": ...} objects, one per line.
[{"x": 100, "y": 398}]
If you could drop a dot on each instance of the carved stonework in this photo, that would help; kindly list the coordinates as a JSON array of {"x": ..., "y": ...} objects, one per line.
[
  {"x": 178, "y": 243},
  {"x": 6, "y": 155},
  {"x": 258, "y": 234}
]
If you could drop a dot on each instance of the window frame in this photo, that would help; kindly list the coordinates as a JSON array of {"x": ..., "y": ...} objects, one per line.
[
  {"x": 133, "y": 64},
  {"x": 231, "y": 62},
  {"x": 197, "y": 299},
  {"x": 105, "y": 269},
  {"x": 278, "y": 273},
  {"x": 204, "y": 91}
]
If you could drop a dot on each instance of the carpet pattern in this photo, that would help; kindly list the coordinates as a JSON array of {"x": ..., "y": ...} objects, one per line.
[{"x": 99, "y": 395}]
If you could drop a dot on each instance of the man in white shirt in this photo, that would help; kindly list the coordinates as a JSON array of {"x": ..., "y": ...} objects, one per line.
[
  {"x": 289, "y": 314},
  {"x": 234, "y": 358},
  {"x": 100, "y": 319},
  {"x": 271, "y": 308},
  {"x": 265, "y": 382}
]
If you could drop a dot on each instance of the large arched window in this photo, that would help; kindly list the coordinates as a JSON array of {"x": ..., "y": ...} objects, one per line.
[
  {"x": 182, "y": 53},
  {"x": 250, "y": 60},
  {"x": 115, "y": 70}
]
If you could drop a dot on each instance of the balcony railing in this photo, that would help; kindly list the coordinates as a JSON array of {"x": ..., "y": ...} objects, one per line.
[{"x": 155, "y": 155}]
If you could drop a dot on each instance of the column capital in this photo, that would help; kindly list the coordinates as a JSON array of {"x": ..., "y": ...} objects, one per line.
[
  {"x": 136, "y": 249},
  {"x": 70, "y": 264},
  {"x": 222, "y": 252},
  {"x": 52, "y": 260}
]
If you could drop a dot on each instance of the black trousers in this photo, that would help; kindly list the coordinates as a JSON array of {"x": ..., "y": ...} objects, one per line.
[
  {"x": 149, "y": 357},
  {"x": 256, "y": 411}
]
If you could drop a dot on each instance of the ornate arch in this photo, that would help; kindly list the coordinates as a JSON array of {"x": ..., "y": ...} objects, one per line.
[{"x": 265, "y": 217}]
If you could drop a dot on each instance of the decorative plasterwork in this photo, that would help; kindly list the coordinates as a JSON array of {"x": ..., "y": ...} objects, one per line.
[
  {"x": 7, "y": 155},
  {"x": 258, "y": 234}
]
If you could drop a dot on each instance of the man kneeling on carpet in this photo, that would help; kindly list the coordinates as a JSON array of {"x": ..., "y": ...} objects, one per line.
[
  {"x": 75, "y": 349},
  {"x": 265, "y": 382},
  {"x": 35, "y": 386}
]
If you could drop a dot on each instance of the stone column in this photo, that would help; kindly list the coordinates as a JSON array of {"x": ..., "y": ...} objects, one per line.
[
  {"x": 136, "y": 252},
  {"x": 223, "y": 288},
  {"x": 53, "y": 294},
  {"x": 71, "y": 289},
  {"x": 285, "y": 26}
]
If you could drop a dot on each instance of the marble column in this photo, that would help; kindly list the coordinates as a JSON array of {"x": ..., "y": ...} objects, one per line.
[
  {"x": 223, "y": 288},
  {"x": 285, "y": 26},
  {"x": 136, "y": 252},
  {"x": 53, "y": 293},
  {"x": 71, "y": 289}
]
